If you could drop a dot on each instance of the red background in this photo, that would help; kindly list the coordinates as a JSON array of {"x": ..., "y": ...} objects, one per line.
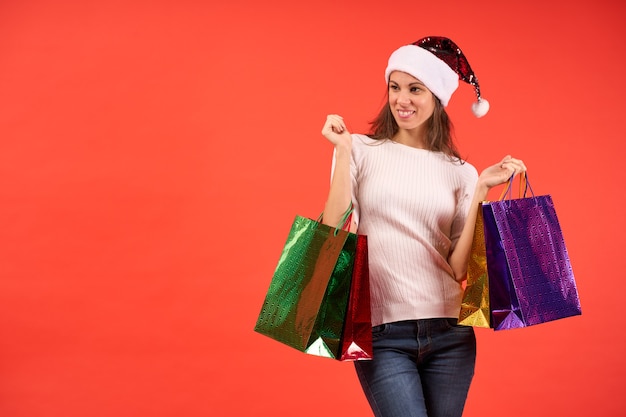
[{"x": 153, "y": 156}]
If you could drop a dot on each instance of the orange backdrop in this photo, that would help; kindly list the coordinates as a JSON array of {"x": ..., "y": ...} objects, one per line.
[{"x": 153, "y": 155}]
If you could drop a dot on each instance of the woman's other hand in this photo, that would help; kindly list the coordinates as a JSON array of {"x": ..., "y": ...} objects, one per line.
[
  {"x": 336, "y": 132},
  {"x": 501, "y": 172}
]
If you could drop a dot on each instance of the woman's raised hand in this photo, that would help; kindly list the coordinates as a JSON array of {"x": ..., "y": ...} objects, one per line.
[
  {"x": 335, "y": 131},
  {"x": 501, "y": 172}
]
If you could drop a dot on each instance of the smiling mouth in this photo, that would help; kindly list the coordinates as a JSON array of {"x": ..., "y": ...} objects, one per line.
[{"x": 406, "y": 113}]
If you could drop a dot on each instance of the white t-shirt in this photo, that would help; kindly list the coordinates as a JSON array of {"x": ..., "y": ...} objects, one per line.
[{"x": 412, "y": 205}]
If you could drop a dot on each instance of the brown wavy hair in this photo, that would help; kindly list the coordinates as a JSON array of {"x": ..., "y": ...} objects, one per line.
[{"x": 440, "y": 129}]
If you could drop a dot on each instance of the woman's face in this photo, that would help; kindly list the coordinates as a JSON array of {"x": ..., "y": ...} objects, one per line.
[{"x": 410, "y": 101}]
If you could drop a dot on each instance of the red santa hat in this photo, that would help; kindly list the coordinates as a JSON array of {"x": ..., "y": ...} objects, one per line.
[{"x": 439, "y": 63}]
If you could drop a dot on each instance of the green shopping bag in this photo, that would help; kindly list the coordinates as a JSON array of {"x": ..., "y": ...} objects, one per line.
[{"x": 307, "y": 300}]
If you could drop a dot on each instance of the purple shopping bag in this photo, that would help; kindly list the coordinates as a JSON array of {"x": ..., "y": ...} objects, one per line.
[{"x": 530, "y": 275}]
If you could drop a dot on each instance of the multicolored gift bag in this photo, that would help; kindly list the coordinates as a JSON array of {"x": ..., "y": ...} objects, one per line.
[
  {"x": 306, "y": 305},
  {"x": 475, "y": 305},
  {"x": 529, "y": 277}
]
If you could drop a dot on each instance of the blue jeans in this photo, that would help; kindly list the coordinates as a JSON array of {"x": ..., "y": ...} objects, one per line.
[{"x": 421, "y": 368}]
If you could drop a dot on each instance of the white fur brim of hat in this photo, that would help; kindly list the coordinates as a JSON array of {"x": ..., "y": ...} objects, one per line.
[{"x": 436, "y": 75}]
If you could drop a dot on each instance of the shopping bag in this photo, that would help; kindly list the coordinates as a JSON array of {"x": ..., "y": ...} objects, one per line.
[
  {"x": 542, "y": 287},
  {"x": 356, "y": 337},
  {"x": 519, "y": 273},
  {"x": 307, "y": 302},
  {"x": 475, "y": 304},
  {"x": 503, "y": 301},
  {"x": 532, "y": 280}
]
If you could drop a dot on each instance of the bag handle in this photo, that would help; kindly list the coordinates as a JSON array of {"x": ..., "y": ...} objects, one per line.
[
  {"x": 345, "y": 220},
  {"x": 524, "y": 186}
]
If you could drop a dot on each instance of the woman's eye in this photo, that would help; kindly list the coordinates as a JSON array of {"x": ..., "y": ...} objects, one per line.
[
  {"x": 393, "y": 87},
  {"x": 415, "y": 89}
]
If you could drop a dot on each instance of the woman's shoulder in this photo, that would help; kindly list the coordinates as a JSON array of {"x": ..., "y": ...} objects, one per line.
[
  {"x": 468, "y": 167},
  {"x": 361, "y": 139},
  {"x": 363, "y": 143},
  {"x": 459, "y": 168},
  {"x": 467, "y": 171}
]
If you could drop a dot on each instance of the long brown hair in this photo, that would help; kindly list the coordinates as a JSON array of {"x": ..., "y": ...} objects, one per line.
[{"x": 440, "y": 129}]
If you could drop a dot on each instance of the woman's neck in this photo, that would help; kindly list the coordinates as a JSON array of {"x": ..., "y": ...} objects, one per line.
[{"x": 413, "y": 138}]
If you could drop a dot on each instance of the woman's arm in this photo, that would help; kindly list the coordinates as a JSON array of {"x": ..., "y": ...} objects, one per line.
[
  {"x": 494, "y": 175},
  {"x": 340, "y": 194}
]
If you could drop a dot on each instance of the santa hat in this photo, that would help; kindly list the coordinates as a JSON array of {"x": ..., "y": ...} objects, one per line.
[{"x": 439, "y": 64}]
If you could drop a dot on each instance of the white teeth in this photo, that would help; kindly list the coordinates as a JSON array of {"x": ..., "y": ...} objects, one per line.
[{"x": 405, "y": 113}]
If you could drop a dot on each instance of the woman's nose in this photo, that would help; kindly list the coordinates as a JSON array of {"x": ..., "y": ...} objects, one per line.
[{"x": 404, "y": 99}]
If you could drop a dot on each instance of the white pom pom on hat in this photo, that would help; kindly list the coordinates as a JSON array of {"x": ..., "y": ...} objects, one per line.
[
  {"x": 480, "y": 108},
  {"x": 439, "y": 63}
]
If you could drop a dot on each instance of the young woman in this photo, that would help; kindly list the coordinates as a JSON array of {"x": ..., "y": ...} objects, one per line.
[{"x": 417, "y": 202}]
